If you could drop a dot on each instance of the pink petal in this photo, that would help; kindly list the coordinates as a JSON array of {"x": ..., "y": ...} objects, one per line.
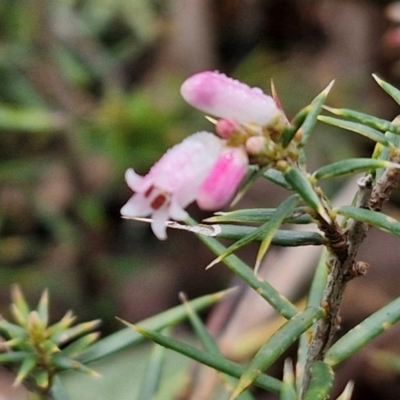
[
  {"x": 224, "y": 179},
  {"x": 223, "y": 97}
]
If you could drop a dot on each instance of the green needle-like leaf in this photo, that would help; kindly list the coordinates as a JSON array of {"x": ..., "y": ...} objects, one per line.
[
  {"x": 352, "y": 166},
  {"x": 263, "y": 288},
  {"x": 77, "y": 346},
  {"x": 126, "y": 337},
  {"x": 373, "y": 122},
  {"x": 202, "y": 334},
  {"x": 43, "y": 308},
  {"x": 213, "y": 360},
  {"x": 282, "y": 212},
  {"x": 289, "y": 132},
  {"x": 392, "y": 91},
  {"x": 75, "y": 331},
  {"x": 26, "y": 368},
  {"x": 281, "y": 237},
  {"x": 374, "y": 218},
  {"x": 11, "y": 330},
  {"x": 276, "y": 177},
  {"x": 321, "y": 382},
  {"x": 14, "y": 356},
  {"x": 303, "y": 187},
  {"x": 57, "y": 390},
  {"x": 259, "y": 215},
  {"x": 363, "y": 130},
  {"x": 152, "y": 377},
  {"x": 288, "y": 391},
  {"x": 363, "y": 333},
  {"x": 277, "y": 344},
  {"x": 62, "y": 363},
  {"x": 18, "y": 300},
  {"x": 316, "y": 106},
  {"x": 266, "y": 230}
]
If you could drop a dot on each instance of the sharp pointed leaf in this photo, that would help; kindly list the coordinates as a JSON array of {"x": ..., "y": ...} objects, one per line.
[
  {"x": 321, "y": 382},
  {"x": 392, "y": 91},
  {"x": 213, "y": 360},
  {"x": 263, "y": 288},
  {"x": 347, "y": 392},
  {"x": 363, "y": 333},
  {"x": 276, "y": 177},
  {"x": 352, "y": 166},
  {"x": 126, "y": 338},
  {"x": 277, "y": 344},
  {"x": 281, "y": 237},
  {"x": 26, "y": 368},
  {"x": 363, "y": 130},
  {"x": 259, "y": 215},
  {"x": 374, "y": 218},
  {"x": 303, "y": 187},
  {"x": 316, "y": 106},
  {"x": 373, "y": 122},
  {"x": 282, "y": 212}
]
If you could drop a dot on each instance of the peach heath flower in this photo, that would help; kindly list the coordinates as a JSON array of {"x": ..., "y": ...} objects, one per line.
[
  {"x": 224, "y": 179},
  {"x": 173, "y": 182},
  {"x": 216, "y": 94}
]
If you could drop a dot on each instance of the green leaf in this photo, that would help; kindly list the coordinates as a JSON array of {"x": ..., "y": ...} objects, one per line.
[
  {"x": 301, "y": 184},
  {"x": 57, "y": 390},
  {"x": 271, "y": 227},
  {"x": 266, "y": 231},
  {"x": 374, "y": 218},
  {"x": 263, "y": 288},
  {"x": 75, "y": 331},
  {"x": 14, "y": 356},
  {"x": 321, "y": 382},
  {"x": 252, "y": 176},
  {"x": 202, "y": 334},
  {"x": 152, "y": 377},
  {"x": 365, "y": 119},
  {"x": 26, "y": 368},
  {"x": 363, "y": 130},
  {"x": 18, "y": 300},
  {"x": 77, "y": 346},
  {"x": 316, "y": 106},
  {"x": 126, "y": 337},
  {"x": 276, "y": 177},
  {"x": 43, "y": 308},
  {"x": 289, "y": 131},
  {"x": 363, "y": 333},
  {"x": 213, "y": 360},
  {"x": 62, "y": 363},
  {"x": 277, "y": 344},
  {"x": 352, "y": 166},
  {"x": 259, "y": 215},
  {"x": 288, "y": 391},
  {"x": 392, "y": 91},
  {"x": 282, "y": 237}
]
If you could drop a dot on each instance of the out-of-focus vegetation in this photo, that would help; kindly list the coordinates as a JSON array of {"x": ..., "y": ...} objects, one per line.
[{"x": 90, "y": 88}]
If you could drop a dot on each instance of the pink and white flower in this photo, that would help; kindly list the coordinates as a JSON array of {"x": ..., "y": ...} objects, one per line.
[
  {"x": 173, "y": 182},
  {"x": 224, "y": 179},
  {"x": 216, "y": 94}
]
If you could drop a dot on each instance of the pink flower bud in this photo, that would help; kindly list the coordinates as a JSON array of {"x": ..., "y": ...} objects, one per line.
[
  {"x": 223, "y": 97},
  {"x": 224, "y": 179},
  {"x": 255, "y": 145},
  {"x": 226, "y": 128},
  {"x": 173, "y": 182}
]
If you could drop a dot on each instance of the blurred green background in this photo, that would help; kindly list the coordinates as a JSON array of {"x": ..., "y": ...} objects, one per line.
[{"x": 90, "y": 88}]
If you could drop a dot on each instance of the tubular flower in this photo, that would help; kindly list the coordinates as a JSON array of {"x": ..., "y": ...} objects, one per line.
[
  {"x": 173, "y": 182},
  {"x": 224, "y": 179},
  {"x": 216, "y": 94}
]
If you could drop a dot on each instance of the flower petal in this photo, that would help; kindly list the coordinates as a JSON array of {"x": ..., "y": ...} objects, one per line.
[
  {"x": 216, "y": 94},
  {"x": 224, "y": 179}
]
